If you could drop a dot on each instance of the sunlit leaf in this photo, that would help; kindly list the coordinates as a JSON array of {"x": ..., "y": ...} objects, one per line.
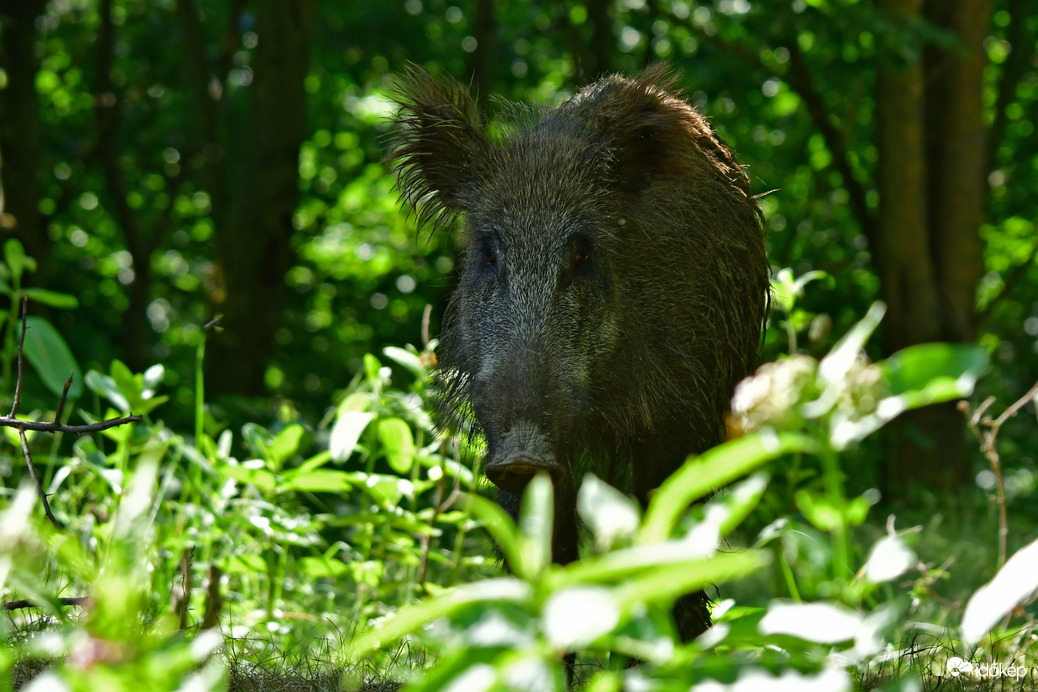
[
  {"x": 838, "y": 362},
  {"x": 318, "y": 567},
  {"x": 712, "y": 470},
  {"x": 611, "y": 515},
  {"x": 286, "y": 443},
  {"x": 318, "y": 481},
  {"x": 818, "y": 510},
  {"x": 823, "y": 623},
  {"x": 397, "y": 443},
  {"x": 410, "y": 619},
  {"x": 1015, "y": 583},
  {"x": 405, "y": 358},
  {"x": 931, "y": 373},
  {"x": 349, "y": 425},
  {"x": 578, "y": 615},
  {"x": 261, "y": 478},
  {"x": 535, "y": 526},
  {"x": 500, "y": 527},
  {"x": 889, "y": 558}
]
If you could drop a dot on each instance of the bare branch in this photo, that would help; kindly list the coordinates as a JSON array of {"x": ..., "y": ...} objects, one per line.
[
  {"x": 64, "y": 396},
  {"x": 1019, "y": 404},
  {"x": 36, "y": 480},
  {"x": 21, "y": 345},
  {"x": 21, "y": 426},
  {"x": 81, "y": 601},
  {"x": 987, "y": 439},
  {"x": 42, "y": 426}
]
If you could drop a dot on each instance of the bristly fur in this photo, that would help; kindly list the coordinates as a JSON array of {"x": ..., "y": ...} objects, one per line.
[
  {"x": 437, "y": 118},
  {"x": 614, "y": 283}
]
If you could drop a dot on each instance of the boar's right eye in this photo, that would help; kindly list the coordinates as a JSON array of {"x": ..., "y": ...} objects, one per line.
[{"x": 490, "y": 258}]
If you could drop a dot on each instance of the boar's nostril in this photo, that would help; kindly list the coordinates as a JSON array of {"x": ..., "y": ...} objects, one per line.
[{"x": 513, "y": 473}]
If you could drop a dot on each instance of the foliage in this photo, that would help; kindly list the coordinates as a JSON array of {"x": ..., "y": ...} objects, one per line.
[
  {"x": 43, "y": 346},
  {"x": 249, "y": 531},
  {"x": 288, "y": 544},
  {"x": 513, "y": 632},
  {"x": 358, "y": 280},
  {"x": 329, "y": 504}
]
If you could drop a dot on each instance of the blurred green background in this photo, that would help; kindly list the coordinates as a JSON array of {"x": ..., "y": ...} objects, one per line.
[{"x": 170, "y": 161}]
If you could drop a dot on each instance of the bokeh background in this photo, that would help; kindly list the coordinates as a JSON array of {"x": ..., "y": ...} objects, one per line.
[{"x": 169, "y": 161}]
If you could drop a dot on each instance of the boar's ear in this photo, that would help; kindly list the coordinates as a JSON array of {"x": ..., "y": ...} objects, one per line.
[
  {"x": 438, "y": 146},
  {"x": 646, "y": 130}
]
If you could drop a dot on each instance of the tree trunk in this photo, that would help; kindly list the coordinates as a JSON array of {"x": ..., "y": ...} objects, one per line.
[
  {"x": 932, "y": 174},
  {"x": 253, "y": 247},
  {"x": 20, "y": 180},
  {"x": 906, "y": 269},
  {"x": 484, "y": 57}
]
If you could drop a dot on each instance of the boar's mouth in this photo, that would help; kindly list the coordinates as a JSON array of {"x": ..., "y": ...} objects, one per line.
[{"x": 512, "y": 473}]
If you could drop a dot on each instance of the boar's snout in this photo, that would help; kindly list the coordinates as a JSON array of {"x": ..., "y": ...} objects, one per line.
[
  {"x": 518, "y": 456},
  {"x": 513, "y": 473}
]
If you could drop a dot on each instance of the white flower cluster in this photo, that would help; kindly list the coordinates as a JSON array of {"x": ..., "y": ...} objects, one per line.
[{"x": 844, "y": 393}]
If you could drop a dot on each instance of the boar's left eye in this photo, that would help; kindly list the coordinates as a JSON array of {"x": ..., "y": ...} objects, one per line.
[{"x": 580, "y": 254}]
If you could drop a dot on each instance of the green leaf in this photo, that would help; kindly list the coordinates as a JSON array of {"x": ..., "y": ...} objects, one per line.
[
  {"x": 385, "y": 490},
  {"x": 818, "y": 510},
  {"x": 536, "y": 517},
  {"x": 51, "y": 358},
  {"x": 1014, "y": 584},
  {"x": 839, "y": 361},
  {"x": 318, "y": 567},
  {"x": 319, "y": 481},
  {"x": 61, "y": 301},
  {"x": 857, "y": 509},
  {"x": 407, "y": 359},
  {"x": 740, "y": 500},
  {"x": 495, "y": 520},
  {"x": 397, "y": 443},
  {"x": 578, "y": 615},
  {"x": 712, "y": 470},
  {"x": 824, "y": 623},
  {"x": 622, "y": 566},
  {"x": 412, "y": 618},
  {"x": 371, "y": 368},
  {"x": 931, "y": 373},
  {"x": 247, "y": 563},
  {"x": 612, "y": 516},
  {"x": 261, "y": 478},
  {"x": 286, "y": 443},
  {"x": 349, "y": 425},
  {"x": 127, "y": 383},
  {"x": 258, "y": 439},
  {"x": 313, "y": 463},
  {"x": 664, "y": 583},
  {"x": 14, "y": 256},
  {"x": 152, "y": 378}
]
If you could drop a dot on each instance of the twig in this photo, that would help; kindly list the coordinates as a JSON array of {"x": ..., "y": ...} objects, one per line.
[
  {"x": 21, "y": 344},
  {"x": 64, "y": 396},
  {"x": 81, "y": 601},
  {"x": 11, "y": 421},
  {"x": 36, "y": 480},
  {"x": 42, "y": 426},
  {"x": 987, "y": 438}
]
